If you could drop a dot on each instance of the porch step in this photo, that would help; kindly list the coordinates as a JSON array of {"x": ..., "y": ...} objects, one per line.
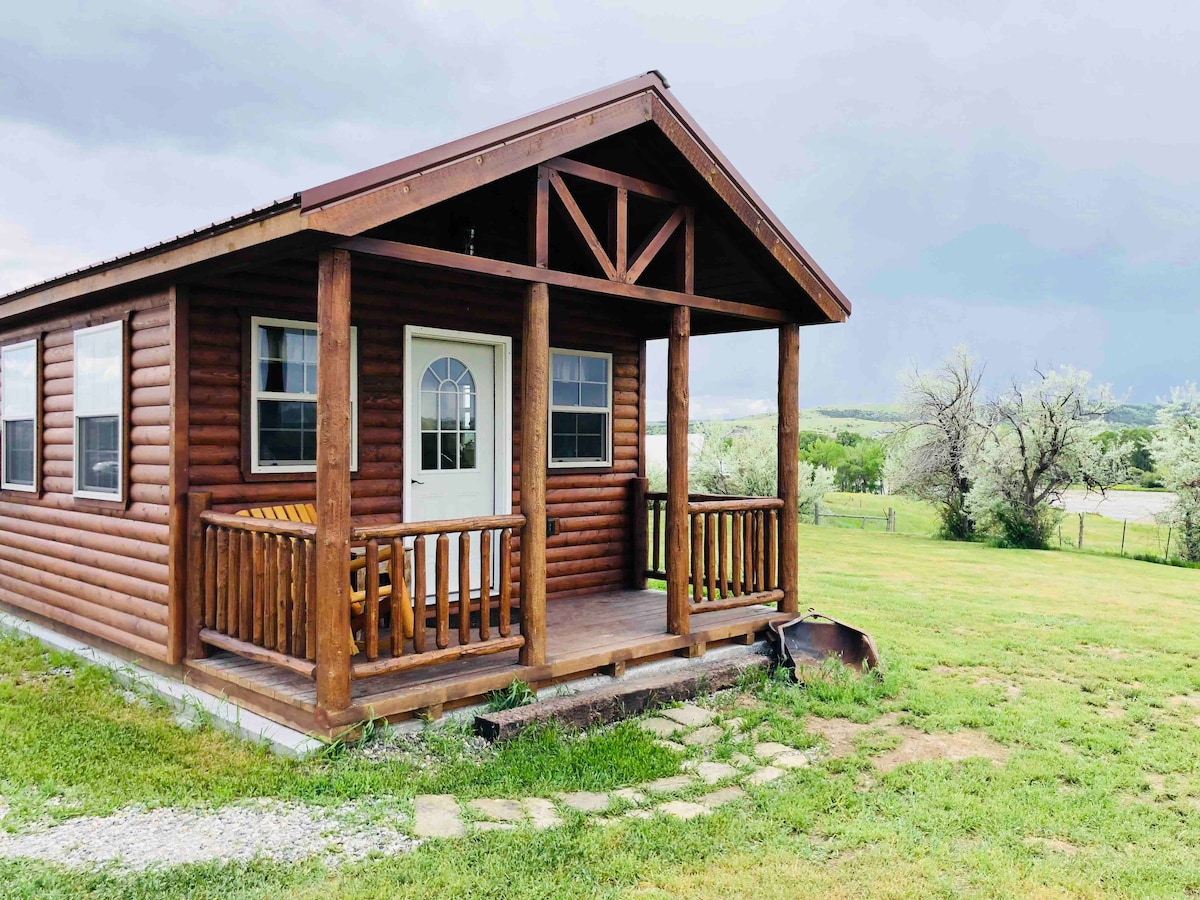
[{"x": 622, "y": 700}]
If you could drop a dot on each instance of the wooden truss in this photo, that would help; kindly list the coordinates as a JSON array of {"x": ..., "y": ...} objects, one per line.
[{"x": 612, "y": 256}]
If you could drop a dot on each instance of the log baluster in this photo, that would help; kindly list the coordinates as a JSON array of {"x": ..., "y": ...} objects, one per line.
[
  {"x": 299, "y": 596},
  {"x": 464, "y": 588},
  {"x": 505, "y": 582},
  {"x": 420, "y": 593},
  {"x": 442, "y": 587},
  {"x": 401, "y": 602},
  {"x": 371, "y": 601},
  {"x": 256, "y": 556},
  {"x": 722, "y": 554},
  {"x": 710, "y": 554},
  {"x": 213, "y": 585},
  {"x": 485, "y": 585}
]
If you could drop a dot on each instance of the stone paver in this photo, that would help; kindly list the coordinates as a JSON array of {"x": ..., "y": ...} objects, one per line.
[
  {"x": 498, "y": 810},
  {"x": 704, "y": 737},
  {"x": 495, "y": 826},
  {"x": 667, "y": 785},
  {"x": 437, "y": 815},
  {"x": 712, "y": 772},
  {"x": 586, "y": 801},
  {"x": 763, "y": 775},
  {"x": 630, "y": 795},
  {"x": 682, "y": 809},
  {"x": 542, "y": 813},
  {"x": 770, "y": 749},
  {"x": 741, "y": 759},
  {"x": 671, "y": 745},
  {"x": 733, "y": 725},
  {"x": 664, "y": 728},
  {"x": 721, "y": 797},
  {"x": 791, "y": 760},
  {"x": 691, "y": 716}
]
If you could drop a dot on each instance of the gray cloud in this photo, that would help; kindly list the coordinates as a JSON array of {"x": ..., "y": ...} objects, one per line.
[{"x": 1020, "y": 174}]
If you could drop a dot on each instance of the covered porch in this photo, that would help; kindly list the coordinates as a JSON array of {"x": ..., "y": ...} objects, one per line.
[
  {"x": 327, "y": 621},
  {"x": 586, "y": 634}
]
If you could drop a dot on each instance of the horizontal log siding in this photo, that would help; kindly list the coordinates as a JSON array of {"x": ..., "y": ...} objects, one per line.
[
  {"x": 592, "y": 549},
  {"x": 98, "y": 568}
]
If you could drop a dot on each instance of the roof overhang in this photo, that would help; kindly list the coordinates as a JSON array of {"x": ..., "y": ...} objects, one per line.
[{"x": 350, "y": 206}]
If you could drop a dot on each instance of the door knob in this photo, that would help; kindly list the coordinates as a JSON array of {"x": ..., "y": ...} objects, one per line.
[{"x": 414, "y": 481}]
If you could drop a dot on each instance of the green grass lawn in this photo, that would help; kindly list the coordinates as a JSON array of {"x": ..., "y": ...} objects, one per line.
[{"x": 1073, "y": 661}]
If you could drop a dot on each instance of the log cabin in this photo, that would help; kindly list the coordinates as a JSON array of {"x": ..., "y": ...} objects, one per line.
[{"x": 456, "y": 497}]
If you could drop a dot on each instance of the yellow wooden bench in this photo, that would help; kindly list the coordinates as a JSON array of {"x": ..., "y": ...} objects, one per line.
[{"x": 306, "y": 513}]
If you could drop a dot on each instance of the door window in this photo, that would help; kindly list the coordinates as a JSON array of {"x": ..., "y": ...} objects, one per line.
[{"x": 448, "y": 416}]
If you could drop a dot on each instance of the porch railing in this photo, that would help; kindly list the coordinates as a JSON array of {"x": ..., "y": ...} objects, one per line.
[
  {"x": 734, "y": 549},
  {"x": 257, "y": 591},
  {"x": 259, "y": 584},
  {"x": 409, "y": 637}
]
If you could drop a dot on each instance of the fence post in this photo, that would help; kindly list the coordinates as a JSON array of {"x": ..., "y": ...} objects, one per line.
[
  {"x": 816, "y": 514},
  {"x": 891, "y": 520},
  {"x": 1080, "y": 544},
  {"x": 1167, "y": 551},
  {"x": 1124, "y": 530}
]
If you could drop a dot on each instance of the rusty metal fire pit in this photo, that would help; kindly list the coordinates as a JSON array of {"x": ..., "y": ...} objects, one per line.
[{"x": 815, "y": 637}]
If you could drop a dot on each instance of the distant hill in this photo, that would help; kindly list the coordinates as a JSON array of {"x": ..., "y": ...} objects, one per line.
[{"x": 877, "y": 419}]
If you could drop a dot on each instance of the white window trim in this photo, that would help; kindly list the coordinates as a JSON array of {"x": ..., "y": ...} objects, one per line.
[
  {"x": 5, "y": 418},
  {"x": 119, "y": 495},
  {"x": 256, "y": 322},
  {"x": 605, "y": 463}
]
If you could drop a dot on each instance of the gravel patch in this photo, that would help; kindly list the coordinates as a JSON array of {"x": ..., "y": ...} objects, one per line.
[{"x": 136, "y": 839}]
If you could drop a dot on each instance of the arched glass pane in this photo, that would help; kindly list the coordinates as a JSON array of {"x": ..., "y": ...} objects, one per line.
[
  {"x": 439, "y": 367},
  {"x": 429, "y": 381},
  {"x": 467, "y": 381},
  {"x": 456, "y": 369}
]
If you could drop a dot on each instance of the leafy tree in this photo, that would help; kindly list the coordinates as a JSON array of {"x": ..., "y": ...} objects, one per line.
[
  {"x": 1176, "y": 446},
  {"x": 930, "y": 457},
  {"x": 741, "y": 461},
  {"x": 1038, "y": 440},
  {"x": 1138, "y": 440}
]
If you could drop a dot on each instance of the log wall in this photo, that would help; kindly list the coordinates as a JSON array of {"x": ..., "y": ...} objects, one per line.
[
  {"x": 592, "y": 549},
  {"x": 99, "y": 567}
]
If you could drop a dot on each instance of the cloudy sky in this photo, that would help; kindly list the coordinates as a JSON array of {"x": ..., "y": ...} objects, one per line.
[{"x": 1024, "y": 180}]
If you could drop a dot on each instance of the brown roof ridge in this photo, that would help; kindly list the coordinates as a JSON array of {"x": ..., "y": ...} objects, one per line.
[{"x": 372, "y": 179}]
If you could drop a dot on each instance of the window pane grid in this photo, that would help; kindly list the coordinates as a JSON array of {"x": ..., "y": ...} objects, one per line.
[
  {"x": 99, "y": 363},
  {"x": 581, "y": 410},
  {"x": 448, "y": 416},
  {"x": 285, "y": 392}
]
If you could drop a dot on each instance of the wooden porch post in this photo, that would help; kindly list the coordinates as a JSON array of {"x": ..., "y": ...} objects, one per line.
[
  {"x": 678, "y": 611},
  {"x": 333, "y": 481},
  {"x": 788, "y": 477},
  {"x": 535, "y": 393}
]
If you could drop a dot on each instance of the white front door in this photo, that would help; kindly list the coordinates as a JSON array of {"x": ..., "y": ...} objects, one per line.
[{"x": 451, "y": 422}]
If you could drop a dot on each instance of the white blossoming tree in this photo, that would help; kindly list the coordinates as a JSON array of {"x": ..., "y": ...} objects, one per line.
[
  {"x": 1176, "y": 449},
  {"x": 1039, "y": 440}
]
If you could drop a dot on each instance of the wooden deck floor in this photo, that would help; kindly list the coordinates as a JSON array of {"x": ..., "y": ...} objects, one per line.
[{"x": 584, "y": 635}]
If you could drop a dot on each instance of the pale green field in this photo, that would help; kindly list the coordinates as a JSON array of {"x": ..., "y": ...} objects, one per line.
[{"x": 1083, "y": 667}]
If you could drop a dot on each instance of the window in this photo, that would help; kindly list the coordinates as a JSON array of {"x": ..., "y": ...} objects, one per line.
[
  {"x": 283, "y": 403},
  {"x": 580, "y": 409},
  {"x": 99, "y": 402},
  {"x": 18, "y": 441},
  {"x": 448, "y": 410}
]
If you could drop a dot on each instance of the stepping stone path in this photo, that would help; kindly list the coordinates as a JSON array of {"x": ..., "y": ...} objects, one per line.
[
  {"x": 704, "y": 785},
  {"x": 680, "y": 729}
]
